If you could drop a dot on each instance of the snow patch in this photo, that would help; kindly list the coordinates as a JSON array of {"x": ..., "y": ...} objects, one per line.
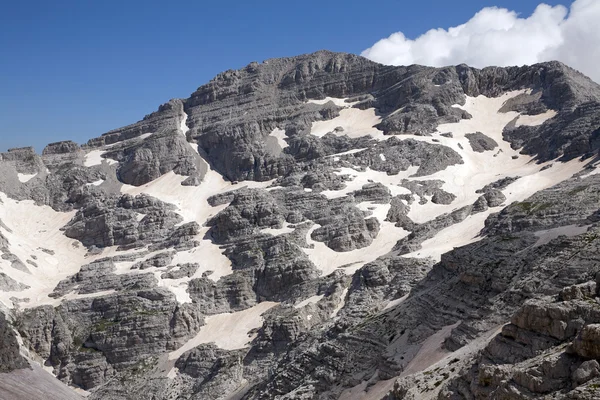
[
  {"x": 356, "y": 123},
  {"x": 94, "y": 157},
  {"x": 337, "y": 101},
  {"x": 431, "y": 351},
  {"x": 276, "y": 232},
  {"x": 467, "y": 231},
  {"x": 341, "y": 304},
  {"x": 593, "y": 172},
  {"x": 480, "y": 169},
  {"x": 535, "y": 120},
  {"x": 396, "y": 302},
  {"x": 279, "y": 134},
  {"x": 26, "y": 177},
  {"x": 353, "y": 151},
  {"x": 95, "y": 183},
  {"x": 183, "y": 128},
  {"x": 228, "y": 331}
]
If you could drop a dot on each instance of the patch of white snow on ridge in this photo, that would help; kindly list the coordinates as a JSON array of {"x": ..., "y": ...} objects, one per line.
[
  {"x": 228, "y": 331},
  {"x": 279, "y": 134},
  {"x": 95, "y": 183},
  {"x": 183, "y": 128},
  {"x": 353, "y": 151},
  {"x": 468, "y": 231},
  {"x": 397, "y": 302},
  {"x": 478, "y": 169},
  {"x": 355, "y": 123},
  {"x": 94, "y": 157},
  {"x": 144, "y": 136},
  {"x": 341, "y": 304},
  {"x": 535, "y": 120},
  {"x": 24, "y": 178},
  {"x": 593, "y": 172},
  {"x": 337, "y": 101}
]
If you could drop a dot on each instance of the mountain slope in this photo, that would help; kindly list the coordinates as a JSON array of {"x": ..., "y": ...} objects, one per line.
[{"x": 308, "y": 227}]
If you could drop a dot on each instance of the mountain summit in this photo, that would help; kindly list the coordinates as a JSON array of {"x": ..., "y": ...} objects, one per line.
[{"x": 314, "y": 227}]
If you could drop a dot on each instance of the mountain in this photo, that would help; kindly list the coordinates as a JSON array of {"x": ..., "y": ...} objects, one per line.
[{"x": 314, "y": 227}]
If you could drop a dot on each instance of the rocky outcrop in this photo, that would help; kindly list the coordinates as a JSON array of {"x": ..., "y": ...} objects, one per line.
[
  {"x": 573, "y": 202},
  {"x": 123, "y": 221},
  {"x": 153, "y": 157},
  {"x": 8, "y": 284},
  {"x": 10, "y": 356},
  {"x": 480, "y": 142},
  {"x": 343, "y": 226},
  {"x": 400, "y": 154},
  {"x": 432, "y": 188},
  {"x": 166, "y": 118},
  {"x": 549, "y": 349},
  {"x": 88, "y": 341},
  {"x": 25, "y": 160},
  {"x": 64, "y": 147},
  {"x": 216, "y": 372}
]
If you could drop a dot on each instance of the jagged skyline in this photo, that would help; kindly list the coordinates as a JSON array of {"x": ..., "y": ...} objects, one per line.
[{"x": 74, "y": 71}]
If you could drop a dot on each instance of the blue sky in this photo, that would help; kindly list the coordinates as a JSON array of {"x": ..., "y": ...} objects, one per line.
[{"x": 76, "y": 69}]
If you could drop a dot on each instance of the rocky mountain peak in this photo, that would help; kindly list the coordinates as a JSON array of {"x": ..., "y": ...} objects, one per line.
[{"x": 314, "y": 227}]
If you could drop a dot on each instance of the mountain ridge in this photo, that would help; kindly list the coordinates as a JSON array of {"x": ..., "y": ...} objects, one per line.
[{"x": 355, "y": 227}]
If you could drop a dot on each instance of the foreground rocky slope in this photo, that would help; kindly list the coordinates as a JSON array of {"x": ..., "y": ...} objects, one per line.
[{"x": 315, "y": 227}]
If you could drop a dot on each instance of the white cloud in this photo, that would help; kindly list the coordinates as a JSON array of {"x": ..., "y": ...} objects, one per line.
[{"x": 500, "y": 37}]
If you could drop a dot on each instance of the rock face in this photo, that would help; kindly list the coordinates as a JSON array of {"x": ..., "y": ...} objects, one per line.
[
  {"x": 10, "y": 357},
  {"x": 164, "y": 119},
  {"x": 122, "y": 221},
  {"x": 548, "y": 349},
  {"x": 148, "y": 160},
  {"x": 301, "y": 229}
]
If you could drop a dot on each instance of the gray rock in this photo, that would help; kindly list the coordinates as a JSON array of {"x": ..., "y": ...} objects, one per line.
[
  {"x": 587, "y": 343},
  {"x": 10, "y": 357},
  {"x": 401, "y": 154},
  {"x": 373, "y": 192},
  {"x": 153, "y": 157},
  {"x": 164, "y": 119},
  {"x": 181, "y": 271},
  {"x": 8, "y": 284},
  {"x": 480, "y": 142},
  {"x": 114, "y": 221},
  {"x": 64, "y": 147},
  {"x": 158, "y": 261},
  {"x": 586, "y": 371}
]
